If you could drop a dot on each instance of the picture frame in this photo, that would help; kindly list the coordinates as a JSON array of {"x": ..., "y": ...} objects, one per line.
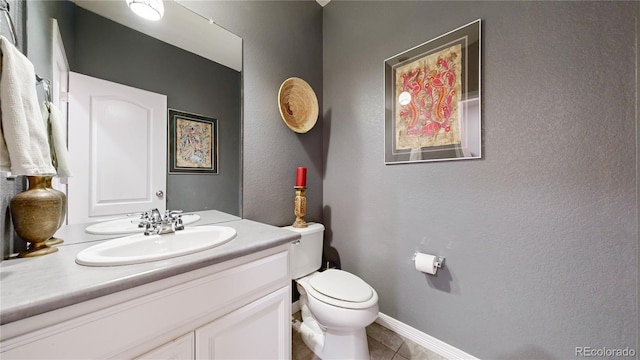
[
  {"x": 193, "y": 143},
  {"x": 433, "y": 99}
]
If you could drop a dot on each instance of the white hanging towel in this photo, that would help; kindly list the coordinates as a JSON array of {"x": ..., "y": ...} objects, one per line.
[
  {"x": 24, "y": 147},
  {"x": 57, "y": 141}
]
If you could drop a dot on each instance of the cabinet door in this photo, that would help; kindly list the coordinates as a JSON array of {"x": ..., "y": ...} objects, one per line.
[
  {"x": 259, "y": 330},
  {"x": 181, "y": 348}
]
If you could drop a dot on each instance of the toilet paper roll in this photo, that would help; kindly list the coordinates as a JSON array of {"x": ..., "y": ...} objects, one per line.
[{"x": 426, "y": 263}]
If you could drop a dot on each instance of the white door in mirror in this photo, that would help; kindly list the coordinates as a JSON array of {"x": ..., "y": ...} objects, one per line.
[
  {"x": 118, "y": 149},
  {"x": 135, "y": 249}
]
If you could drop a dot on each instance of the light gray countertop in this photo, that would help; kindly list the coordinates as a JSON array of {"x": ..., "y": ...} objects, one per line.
[
  {"x": 37, "y": 285},
  {"x": 74, "y": 234}
]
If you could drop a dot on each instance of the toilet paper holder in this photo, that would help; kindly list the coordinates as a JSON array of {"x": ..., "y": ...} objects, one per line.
[{"x": 439, "y": 262}]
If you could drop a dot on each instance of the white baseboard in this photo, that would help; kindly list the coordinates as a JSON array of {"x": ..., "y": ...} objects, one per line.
[{"x": 427, "y": 341}]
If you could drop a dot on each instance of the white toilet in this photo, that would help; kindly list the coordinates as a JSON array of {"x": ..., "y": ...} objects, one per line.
[{"x": 336, "y": 306}]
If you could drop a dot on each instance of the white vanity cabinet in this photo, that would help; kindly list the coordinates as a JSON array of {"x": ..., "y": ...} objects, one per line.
[
  {"x": 236, "y": 309},
  {"x": 181, "y": 348},
  {"x": 254, "y": 331},
  {"x": 249, "y": 332}
]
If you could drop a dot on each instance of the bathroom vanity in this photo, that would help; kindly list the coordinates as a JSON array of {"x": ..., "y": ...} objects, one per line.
[{"x": 232, "y": 301}]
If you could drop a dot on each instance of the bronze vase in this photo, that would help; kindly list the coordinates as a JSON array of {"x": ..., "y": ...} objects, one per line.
[
  {"x": 55, "y": 240},
  {"x": 35, "y": 213}
]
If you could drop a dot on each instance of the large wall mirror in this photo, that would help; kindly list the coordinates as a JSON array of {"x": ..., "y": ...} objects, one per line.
[{"x": 198, "y": 69}]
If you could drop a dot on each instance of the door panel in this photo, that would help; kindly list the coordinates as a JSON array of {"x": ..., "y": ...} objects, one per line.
[
  {"x": 117, "y": 144},
  {"x": 260, "y": 330},
  {"x": 182, "y": 348}
]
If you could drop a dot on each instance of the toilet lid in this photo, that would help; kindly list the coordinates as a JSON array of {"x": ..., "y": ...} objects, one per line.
[{"x": 341, "y": 285}]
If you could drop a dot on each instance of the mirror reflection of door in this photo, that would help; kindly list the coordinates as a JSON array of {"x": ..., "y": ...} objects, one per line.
[{"x": 123, "y": 170}]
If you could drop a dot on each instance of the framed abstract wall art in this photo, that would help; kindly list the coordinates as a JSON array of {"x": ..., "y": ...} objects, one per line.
[
  {"x": 193, "y": 143},
  {"x": 432, "y": 99}
]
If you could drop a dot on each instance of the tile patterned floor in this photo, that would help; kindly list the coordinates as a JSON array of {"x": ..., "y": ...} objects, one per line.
[{"x": 384, "y": 344}]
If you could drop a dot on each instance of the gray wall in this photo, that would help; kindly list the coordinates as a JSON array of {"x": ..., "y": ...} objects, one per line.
[
  {"x": 39, "y": 33},
  {"x": 541, "y": 235},
  {"x": 280, "y": 39}
]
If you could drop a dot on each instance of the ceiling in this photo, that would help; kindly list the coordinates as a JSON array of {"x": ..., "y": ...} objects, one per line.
[{"x": 197, "y": 34}]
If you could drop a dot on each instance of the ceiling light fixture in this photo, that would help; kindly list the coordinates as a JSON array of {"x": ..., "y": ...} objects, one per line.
[{"x": 148, "y": 9}]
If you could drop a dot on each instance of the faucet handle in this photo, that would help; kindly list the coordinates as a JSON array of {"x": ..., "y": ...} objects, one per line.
[
  {"x": 139, "y": 218},
  {"x": 178, "y": 224},
  {"x": 155, "y": 214},
  {"x": 168, "y": 213},
  {"x": 149, "y": 228},
  {"x": 175, "y": 216}
]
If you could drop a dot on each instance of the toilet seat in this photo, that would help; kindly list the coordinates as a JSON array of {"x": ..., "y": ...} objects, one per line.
[{"x": 342, "y": 289}]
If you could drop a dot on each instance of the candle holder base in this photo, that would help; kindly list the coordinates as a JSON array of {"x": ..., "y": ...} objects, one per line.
[
  {"x": 300, "y": 223},
  {"x": 300, "y": 207}
]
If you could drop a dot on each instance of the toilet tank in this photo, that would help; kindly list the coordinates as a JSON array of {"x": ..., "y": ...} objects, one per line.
[{"x": 306, "y": 256}]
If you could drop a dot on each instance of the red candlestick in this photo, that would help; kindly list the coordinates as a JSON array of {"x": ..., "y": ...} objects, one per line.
[{"x": 301, "y": 176}]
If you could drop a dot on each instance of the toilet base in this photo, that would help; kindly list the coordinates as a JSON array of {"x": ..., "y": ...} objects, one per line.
[
  {"x": 330, "y": 344},
  {"x": 352, "y": 345}
]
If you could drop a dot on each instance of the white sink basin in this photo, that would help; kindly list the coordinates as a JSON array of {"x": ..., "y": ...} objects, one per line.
[
  {"x": 139, "y": 248},
  {"x": 128, "y": 225}
]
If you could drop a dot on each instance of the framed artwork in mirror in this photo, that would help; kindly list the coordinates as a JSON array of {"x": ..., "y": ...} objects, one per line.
[
  {"x": 432, "y": 99},
  {"x": 193, "y": 143}
]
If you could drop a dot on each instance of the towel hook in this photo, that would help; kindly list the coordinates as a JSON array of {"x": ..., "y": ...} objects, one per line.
[
  {"x": 4, "y": 7},
  {"x": 46, "y": 86}
]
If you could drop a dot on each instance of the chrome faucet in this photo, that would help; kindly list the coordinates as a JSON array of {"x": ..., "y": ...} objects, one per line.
[{"x": 155, "y": 224}]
